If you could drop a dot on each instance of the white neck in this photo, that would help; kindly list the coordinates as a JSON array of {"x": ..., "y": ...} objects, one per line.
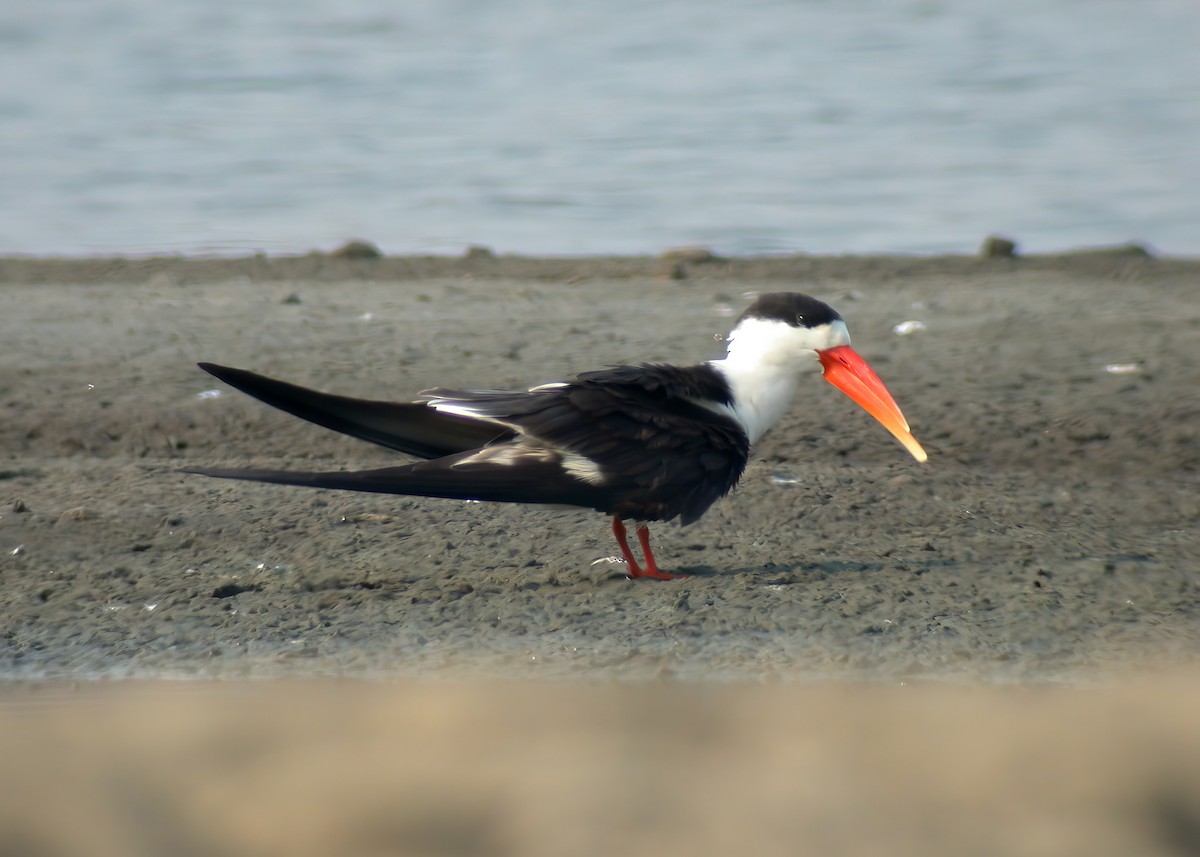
[{"x": 763, "y": 365}]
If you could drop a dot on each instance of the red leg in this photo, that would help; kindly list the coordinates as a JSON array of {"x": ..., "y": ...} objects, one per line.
[
  {"x": 618, "y": 528},
  {"x": 635, "y": 570},
  {"x": 652, "y": 569}
]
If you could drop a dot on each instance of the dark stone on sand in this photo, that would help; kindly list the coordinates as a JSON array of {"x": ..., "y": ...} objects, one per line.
[
  {"x": 229, "y": 590},
  {"x": 478, "y": 253},
  {"x": 673, "y": 264},
  {"x": 690, "y": 256},
  {"x": 357, "y": 250},
  {"x": 998, "y": 247}
]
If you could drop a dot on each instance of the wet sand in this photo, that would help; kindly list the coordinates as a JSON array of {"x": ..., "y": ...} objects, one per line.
[
  {"x": 1051, "y": 536},
  {"x": 836, "y": 675}
]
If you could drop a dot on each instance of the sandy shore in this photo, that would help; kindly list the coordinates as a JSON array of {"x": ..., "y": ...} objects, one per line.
[{"x": 1052, "y": 537}]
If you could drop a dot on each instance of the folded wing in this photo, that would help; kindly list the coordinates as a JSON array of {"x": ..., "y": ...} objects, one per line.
[
  {"x": 409, "y": 427},
  {"x": 633, "y": 441}
]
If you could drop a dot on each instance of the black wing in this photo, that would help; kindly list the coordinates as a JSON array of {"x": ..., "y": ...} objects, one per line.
[
  {"x": 409, "y": 427},
  {"x": 505, "y": 473},
  {"x": 630, "y": 441},
  {"x": 658, "y": 453}
]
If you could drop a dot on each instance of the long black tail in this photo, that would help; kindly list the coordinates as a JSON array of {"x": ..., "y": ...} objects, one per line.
[
  {"x": 451, "y": 478},
  {"x": 409, "y": 427}
]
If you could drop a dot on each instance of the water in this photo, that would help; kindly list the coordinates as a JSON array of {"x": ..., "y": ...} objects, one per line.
[{"x": 224, "y": 126}]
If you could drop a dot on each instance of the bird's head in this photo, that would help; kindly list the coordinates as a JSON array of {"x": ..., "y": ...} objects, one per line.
[{"x": 795, "y": 333}]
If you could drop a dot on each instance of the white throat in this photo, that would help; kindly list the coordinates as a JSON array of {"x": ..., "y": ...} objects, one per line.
[{"x": 764, "y": 363}]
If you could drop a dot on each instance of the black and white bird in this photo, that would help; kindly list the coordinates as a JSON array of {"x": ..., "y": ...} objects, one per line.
[{"x": 650, "y": 442}]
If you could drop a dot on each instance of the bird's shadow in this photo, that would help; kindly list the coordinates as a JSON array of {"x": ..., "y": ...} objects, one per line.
[
  {"x": 803, "y": 571},
  {"x": 773, "y": 573}
]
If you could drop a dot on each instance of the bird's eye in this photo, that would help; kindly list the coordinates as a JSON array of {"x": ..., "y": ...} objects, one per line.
[{"x": 799, "y": 318}]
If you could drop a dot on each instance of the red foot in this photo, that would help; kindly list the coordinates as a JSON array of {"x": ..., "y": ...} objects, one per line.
[
  {"x": 657, "y": 574},
  {"x": 635, "y": 571}
]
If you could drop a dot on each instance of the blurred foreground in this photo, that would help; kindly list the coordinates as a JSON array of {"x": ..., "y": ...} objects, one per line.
[{"x": 352, "y": 767}]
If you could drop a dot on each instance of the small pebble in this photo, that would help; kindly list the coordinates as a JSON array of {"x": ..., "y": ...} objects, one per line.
[
  {"x": 904, "y": 328},
  {"x": 78, "y": 513}
]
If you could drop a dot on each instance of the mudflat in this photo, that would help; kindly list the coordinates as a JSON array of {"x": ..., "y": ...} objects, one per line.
[{"x": 1052, "y": 535}]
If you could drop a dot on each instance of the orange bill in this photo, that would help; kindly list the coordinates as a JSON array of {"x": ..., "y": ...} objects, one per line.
[{"x": 854, "y": 377}]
